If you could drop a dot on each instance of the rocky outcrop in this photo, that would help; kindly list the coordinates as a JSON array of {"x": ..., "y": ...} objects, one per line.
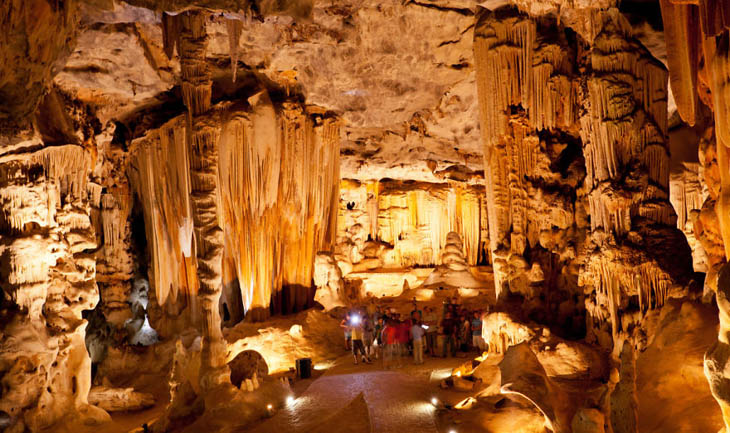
[
  {"x": 120, "y": 399},
  {"x": 48, "y": 271},
  {"x": 717, "y": 357}
]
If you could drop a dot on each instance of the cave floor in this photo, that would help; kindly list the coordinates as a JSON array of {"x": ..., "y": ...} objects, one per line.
[{"x": 363, "y": 398}]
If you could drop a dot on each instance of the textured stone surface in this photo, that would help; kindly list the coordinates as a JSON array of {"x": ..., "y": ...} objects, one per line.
[{"x": 239, "y": 154}]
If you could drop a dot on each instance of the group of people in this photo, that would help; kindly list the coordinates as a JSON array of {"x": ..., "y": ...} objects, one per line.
[{"x": 372, "y": 332}]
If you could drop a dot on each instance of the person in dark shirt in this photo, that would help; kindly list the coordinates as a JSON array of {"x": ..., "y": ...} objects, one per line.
[
  {"x": 448, "y": 331},
  {"x": 378, "y": 337}
]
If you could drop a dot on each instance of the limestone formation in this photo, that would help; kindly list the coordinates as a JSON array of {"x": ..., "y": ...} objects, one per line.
[
  {"x": 328, "y": 279},
  {"x": 718, "y": 356},
  {"x": 414, "y": 218},
  {"x": 274, "y": 189},
  {"x": 525, "y": 168},
  {"x": 185, "y": 184},
  {"x": 454, "y": 270},
  {"x": 48, "y": 273}
]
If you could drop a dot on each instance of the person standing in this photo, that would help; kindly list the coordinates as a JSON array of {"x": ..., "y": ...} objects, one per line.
[
  {"x": 448, "y": 331},
  {"x": 356, "y": 332},
  {"x": 418, "y": 334},
  {"x": 476, "y": 332},
  {"x": 367, "y": 337},
  {"x": 431, "y": 321},
  {"x": 345, "y": 325},
  {"x": 465, "y": 337},
  {"x": 402, "y": 336},
  {"x": 378, "y": 337},
  {"x": 390, "y": 348}
]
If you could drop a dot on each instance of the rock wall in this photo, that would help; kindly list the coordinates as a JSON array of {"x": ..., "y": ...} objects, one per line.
[
  {"x": 698, "y": 48},
  {"x": 48, "y": 271}
]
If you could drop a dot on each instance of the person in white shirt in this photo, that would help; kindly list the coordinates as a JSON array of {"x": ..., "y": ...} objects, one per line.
[{"x": 417, "y": 334}]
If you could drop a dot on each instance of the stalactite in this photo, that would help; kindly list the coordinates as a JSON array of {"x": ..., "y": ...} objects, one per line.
[
  {"x": 687, "y": 198},
  {"x": 276, "y": 167},
  {"x": 235, "y": 28},
  {"x": 170, "y": 34},
  {"x": 415, "y": 218},
  {"x": 681, "y": 35},
  {"x": 625, "y": 79},
  {"x": 160, "y": 174},
  {"x": 624, "y": 134}
]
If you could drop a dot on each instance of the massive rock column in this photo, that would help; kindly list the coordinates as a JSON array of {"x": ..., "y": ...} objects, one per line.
[
  {"x": 111, "y": 207},
  {"x": 202, "y": 143},
  {"x": 612, "y": 109},
  {"x": 635, "y": 256},
  {"x": 533, "y": 163}
]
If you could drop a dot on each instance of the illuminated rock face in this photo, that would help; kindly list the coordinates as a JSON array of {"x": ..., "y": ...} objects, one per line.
[
  {"x": 534, "y": 166},
  {"x": 413, "y": 219},
  {"x": 48, "y": 277},
  {"x": 263, "y": 154},
  {"x": 614, "y": 117}
]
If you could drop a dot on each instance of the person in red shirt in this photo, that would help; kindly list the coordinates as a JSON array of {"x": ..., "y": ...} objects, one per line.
[
  {"x": 403, "y": 335},
  {"x": 391, "y": 343}
]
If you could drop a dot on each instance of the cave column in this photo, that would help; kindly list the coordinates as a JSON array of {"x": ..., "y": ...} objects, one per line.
[
  {"x": 111, "y": 207},
  {"x": 202, "y": 139}
]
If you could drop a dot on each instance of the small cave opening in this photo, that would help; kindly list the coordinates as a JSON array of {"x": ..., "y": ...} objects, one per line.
[{"x": 138, "y": 327}]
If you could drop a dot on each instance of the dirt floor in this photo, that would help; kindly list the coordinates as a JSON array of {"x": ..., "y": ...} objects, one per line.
[
  {"x": 366, "y": 397},
  {"x": 672, "y": 392}
]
